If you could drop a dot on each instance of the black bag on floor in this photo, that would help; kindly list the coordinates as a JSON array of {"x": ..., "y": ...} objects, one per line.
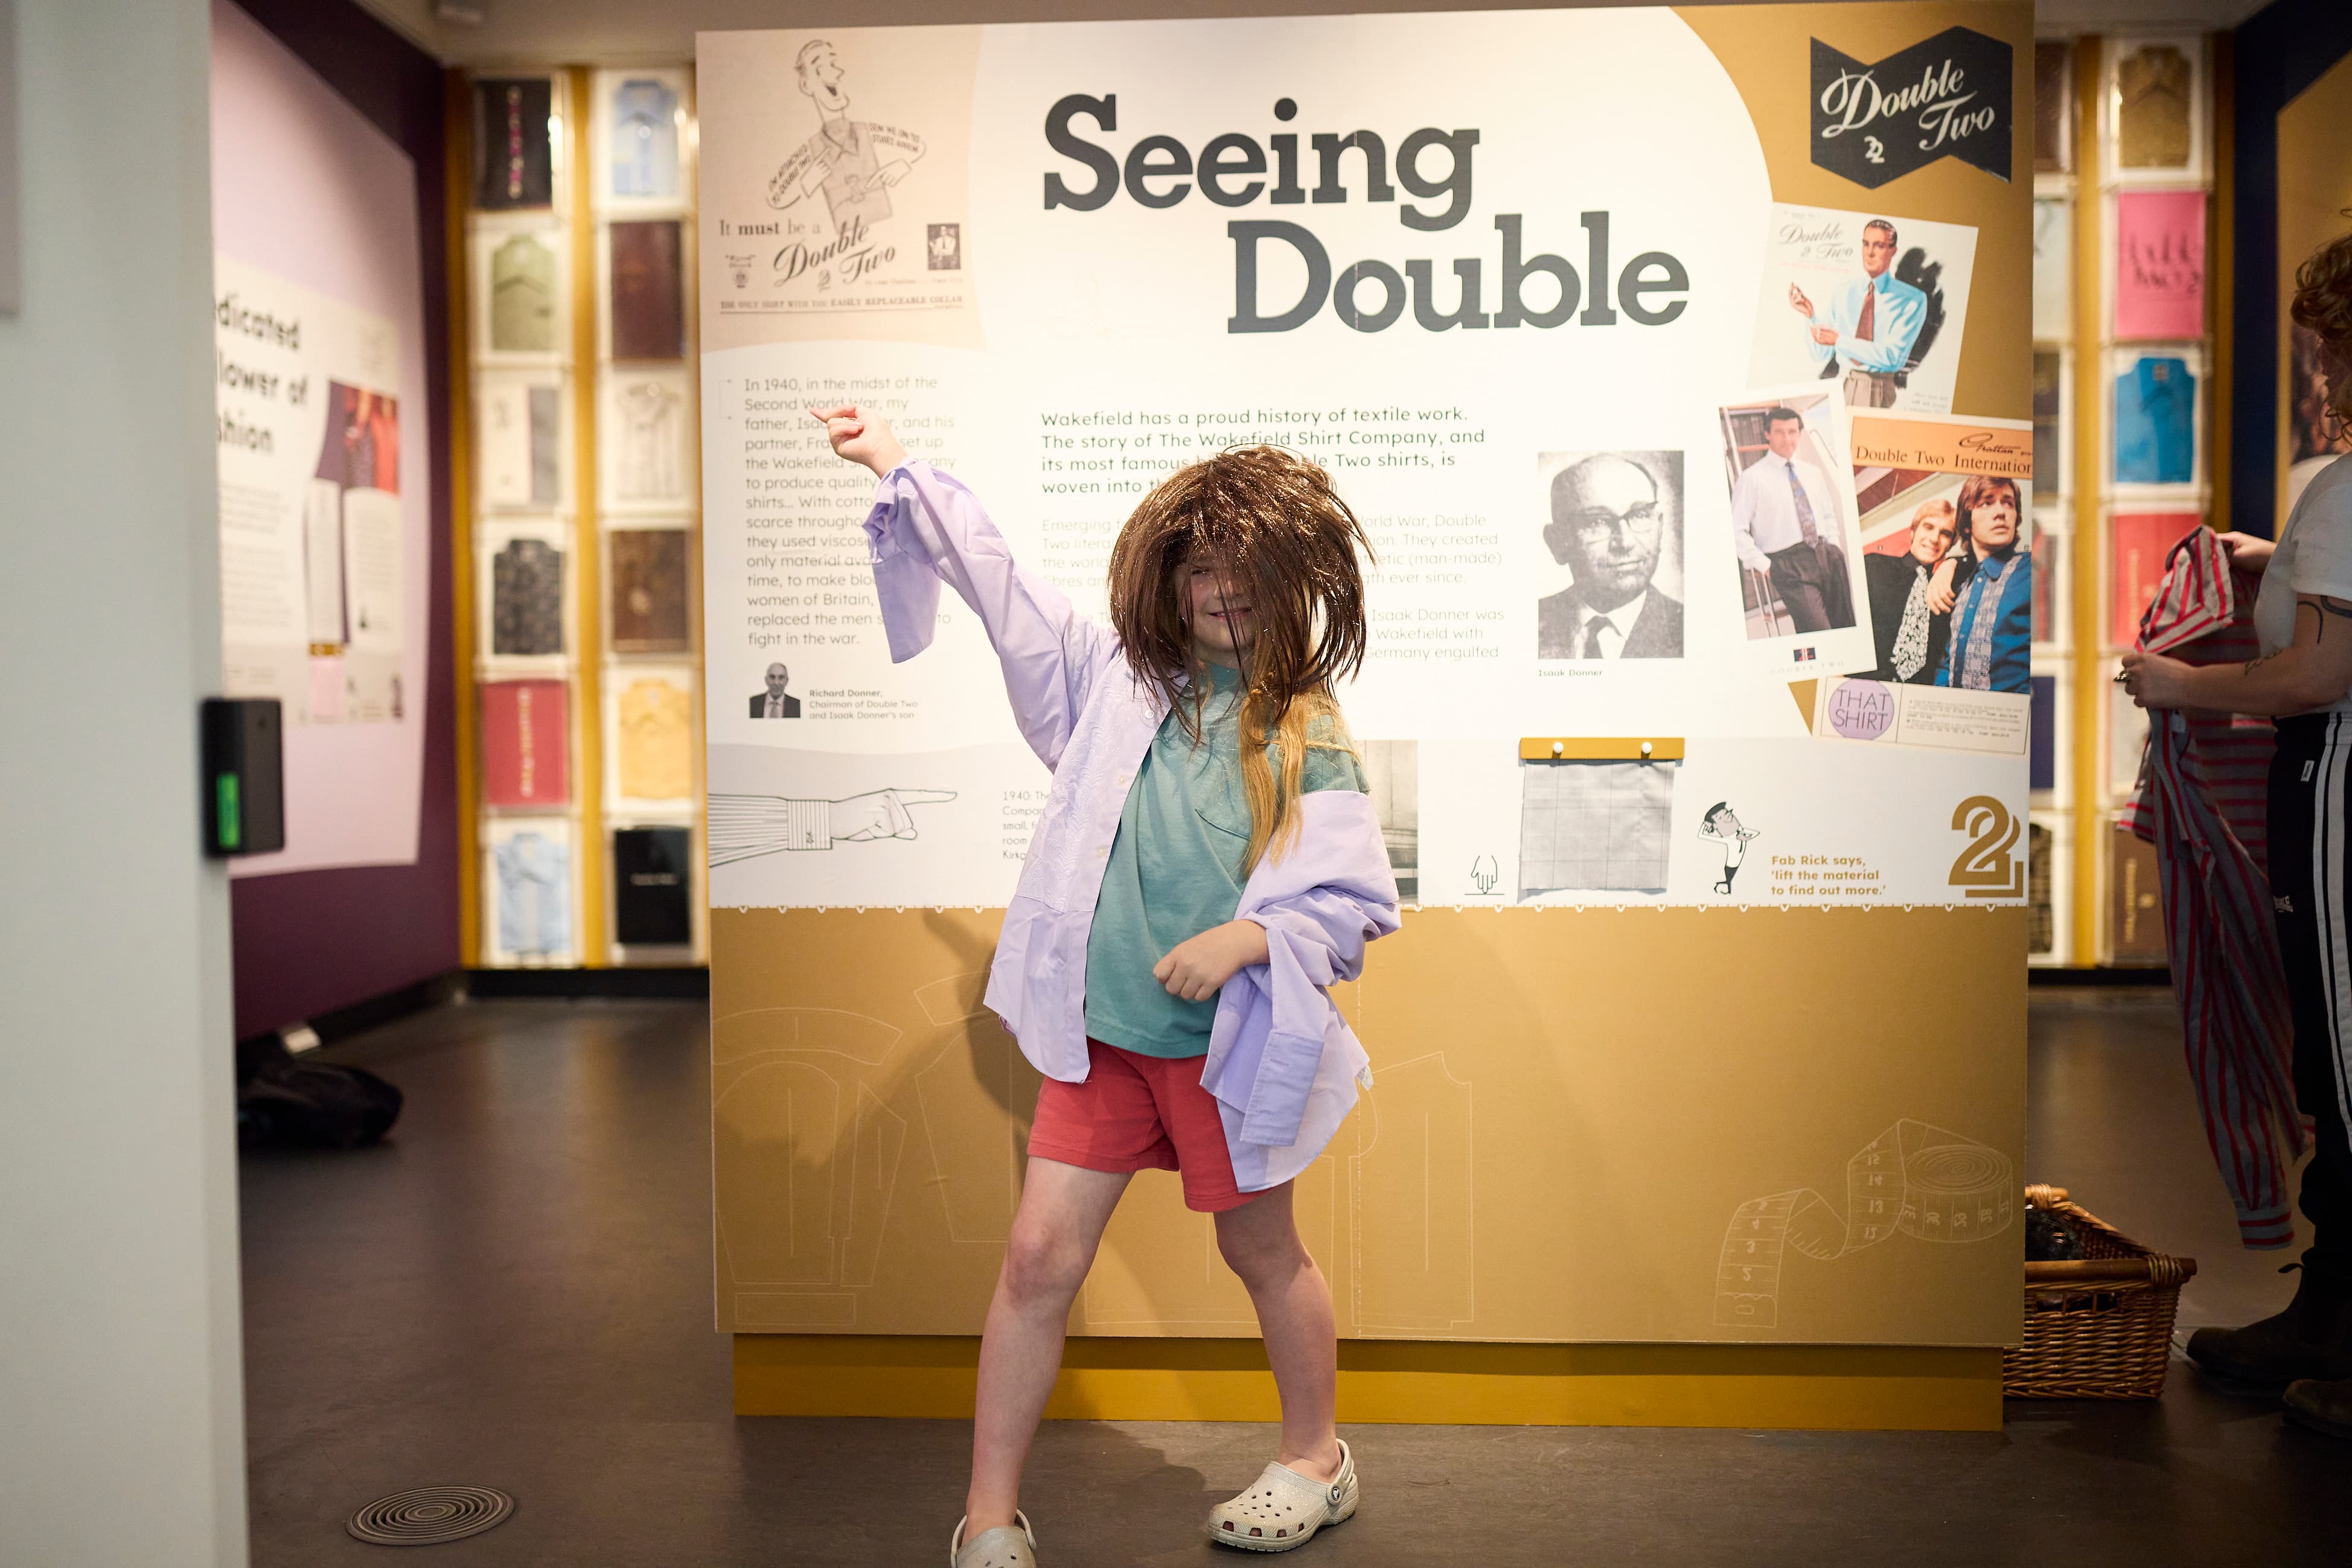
[{"x": 285, "y": 1102}]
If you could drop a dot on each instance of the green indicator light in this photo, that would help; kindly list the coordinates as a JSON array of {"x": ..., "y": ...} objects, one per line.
[{"x": 230, "y": 820}]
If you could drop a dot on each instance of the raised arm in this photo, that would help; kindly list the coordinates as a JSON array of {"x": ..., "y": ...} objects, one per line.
[{"x": 924, "y": 529}]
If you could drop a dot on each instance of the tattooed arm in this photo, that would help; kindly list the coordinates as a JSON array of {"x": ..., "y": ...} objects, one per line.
[{"x": 2316, "y": 671}]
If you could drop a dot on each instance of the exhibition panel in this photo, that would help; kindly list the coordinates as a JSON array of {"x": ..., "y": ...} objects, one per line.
[{"x": 1662, "y": 455}]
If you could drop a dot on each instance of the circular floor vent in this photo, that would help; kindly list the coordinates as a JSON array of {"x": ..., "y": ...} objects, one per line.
[{"x": 430, "y": 1515}]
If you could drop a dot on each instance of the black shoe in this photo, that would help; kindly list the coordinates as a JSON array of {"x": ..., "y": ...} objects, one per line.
[
  {"x": 2311, "y": 1339},
  {"x": 2322, "y": 1406}
]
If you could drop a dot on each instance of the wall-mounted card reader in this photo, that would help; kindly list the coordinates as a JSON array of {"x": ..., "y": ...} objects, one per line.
[{"x": 244, "y": 776}]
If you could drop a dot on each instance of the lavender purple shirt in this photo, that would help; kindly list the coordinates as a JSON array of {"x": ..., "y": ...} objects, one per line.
[{"x": 1282, "y": 1064}]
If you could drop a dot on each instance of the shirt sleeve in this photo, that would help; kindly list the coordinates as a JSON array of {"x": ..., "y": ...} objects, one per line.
[
  {"x": 1743, "y": 522},
  {"x": 924, "y": 529},
  {"x": 1894, "y": 329},
  {"x": 1823, "y": 353},
  {"x": 1329, "y": 767},
  {"x": 2323, "y": 541}
]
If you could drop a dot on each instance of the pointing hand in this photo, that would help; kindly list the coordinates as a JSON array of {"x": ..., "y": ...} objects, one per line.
[{"x": 881, "y": 813}]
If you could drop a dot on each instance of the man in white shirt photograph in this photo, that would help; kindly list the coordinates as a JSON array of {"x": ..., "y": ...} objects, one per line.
[
  {"x": 1869, "y": 325},
  {"x": 1786, "y": 523},
  {"x": 1612, "y": 515}
]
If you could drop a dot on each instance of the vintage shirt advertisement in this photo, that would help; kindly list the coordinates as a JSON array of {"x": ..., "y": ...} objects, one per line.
[{"x": 1064, "y": 262}]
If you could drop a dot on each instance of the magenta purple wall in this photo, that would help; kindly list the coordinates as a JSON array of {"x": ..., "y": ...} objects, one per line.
[{"x": 308, "y": 942}]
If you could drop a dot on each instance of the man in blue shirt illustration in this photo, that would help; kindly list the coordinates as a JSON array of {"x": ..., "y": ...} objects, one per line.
[
  {"x": 1991, "y": 643},
  {"x": 1870, "y": 323}
]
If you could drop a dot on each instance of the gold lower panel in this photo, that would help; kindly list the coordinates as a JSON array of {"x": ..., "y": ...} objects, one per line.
[{"x": 1842, "y": 1389}]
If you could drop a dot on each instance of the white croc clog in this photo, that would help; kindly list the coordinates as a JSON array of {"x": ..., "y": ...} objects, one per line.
[
  {"x": 1011, "y": 1546},
  {"x": 1283, "y": 1509}
]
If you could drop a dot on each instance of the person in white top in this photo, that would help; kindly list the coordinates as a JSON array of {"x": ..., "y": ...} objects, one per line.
[
  {"x": 2302, "y": 679},
  {"x": 1784, "y": 522}
]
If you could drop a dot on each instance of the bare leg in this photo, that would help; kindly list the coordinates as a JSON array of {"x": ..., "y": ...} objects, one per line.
[
  {"x": 1260, "y": 1243},
  {"x": 1064, "y": 1208}
]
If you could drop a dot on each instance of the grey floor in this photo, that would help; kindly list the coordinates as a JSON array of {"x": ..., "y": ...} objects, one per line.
[{"x": 514, "y": 1293}]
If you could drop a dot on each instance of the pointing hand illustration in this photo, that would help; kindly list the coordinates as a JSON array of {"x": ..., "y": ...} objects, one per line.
[{"x": 882, "y": 813}]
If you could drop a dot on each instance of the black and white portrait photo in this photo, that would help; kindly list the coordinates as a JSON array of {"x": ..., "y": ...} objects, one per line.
[
  {"x": 1613, "y": 520},
  {"x": 777, "y": 701}
]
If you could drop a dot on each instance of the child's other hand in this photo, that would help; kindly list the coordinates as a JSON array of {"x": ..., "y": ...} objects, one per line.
[
  {"x": 862, "y": 436},
  {"x": 1196, "y": 970}
]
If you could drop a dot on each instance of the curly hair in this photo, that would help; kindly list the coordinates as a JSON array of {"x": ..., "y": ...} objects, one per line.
[
  {"x": 2323, "y": 306},
  {"x": 1281, "y": 537}
]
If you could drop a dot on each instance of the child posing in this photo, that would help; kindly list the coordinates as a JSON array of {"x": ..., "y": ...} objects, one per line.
[{"x": 1207, "y": 865}]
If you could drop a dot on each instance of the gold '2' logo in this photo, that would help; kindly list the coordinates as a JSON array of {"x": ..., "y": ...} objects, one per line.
[{"x": 1989, "y": 867}]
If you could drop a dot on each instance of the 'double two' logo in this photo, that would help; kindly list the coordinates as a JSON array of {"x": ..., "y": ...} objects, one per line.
[{"x": 1947, "y": 97}]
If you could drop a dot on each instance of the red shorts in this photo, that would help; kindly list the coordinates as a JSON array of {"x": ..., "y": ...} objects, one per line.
[{"x": 1139, "y": 1113}]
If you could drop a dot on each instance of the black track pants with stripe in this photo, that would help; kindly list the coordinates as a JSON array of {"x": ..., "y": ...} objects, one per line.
[{"x": 2310, "y": 873}]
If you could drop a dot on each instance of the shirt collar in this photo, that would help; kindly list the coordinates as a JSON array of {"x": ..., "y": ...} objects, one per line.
[{"x": 1621, "y": 618}]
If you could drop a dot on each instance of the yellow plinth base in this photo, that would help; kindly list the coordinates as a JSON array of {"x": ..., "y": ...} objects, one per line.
[{"x": 1850, "y": 1388}]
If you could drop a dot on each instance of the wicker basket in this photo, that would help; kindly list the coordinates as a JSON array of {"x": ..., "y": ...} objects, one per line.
[{"x": 2097, "y": 1328}]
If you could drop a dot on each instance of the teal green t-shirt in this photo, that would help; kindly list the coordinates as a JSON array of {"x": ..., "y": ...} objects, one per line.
[{"x": 1175, "y": 870}]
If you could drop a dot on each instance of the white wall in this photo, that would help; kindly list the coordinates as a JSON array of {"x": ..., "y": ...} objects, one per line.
[{"x": 122, "y": 1414}]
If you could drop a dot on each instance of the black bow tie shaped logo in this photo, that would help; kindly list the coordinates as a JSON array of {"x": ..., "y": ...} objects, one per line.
[{"x": 1947, "y": 97}]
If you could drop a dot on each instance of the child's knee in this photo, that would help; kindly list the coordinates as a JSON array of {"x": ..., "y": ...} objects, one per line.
[
  {"x": 1041, "y": 1263},
  {"x": 1259, "y": 1256}
]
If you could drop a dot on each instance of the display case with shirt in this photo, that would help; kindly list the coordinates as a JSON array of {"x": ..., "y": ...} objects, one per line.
[
  {"x": 2153, "y": 120},
  {"x": 526, "y": 890},
  {"x": 523, "y": 595},
  {"x": 641, "y": 120},
  {"x": 2156, "y": 426}
]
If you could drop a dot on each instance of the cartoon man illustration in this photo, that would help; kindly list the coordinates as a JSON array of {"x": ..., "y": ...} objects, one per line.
[
  {"x": 1721, "y": 827},
  {"x": 1870, "y": 323},
  {"x": 852, "y": 161}
]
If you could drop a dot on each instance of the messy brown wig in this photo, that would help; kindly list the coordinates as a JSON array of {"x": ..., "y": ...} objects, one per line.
[
  {"x": 1280, "y": 537},
  {"x": 2323, "y": 306}
]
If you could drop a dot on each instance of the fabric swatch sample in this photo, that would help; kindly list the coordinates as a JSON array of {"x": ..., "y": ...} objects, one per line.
[
  {"x": 1598, "y": 825},
  {"x": 527, "y": 598},
  {"x": 648, "y": 585},
  {"x": 648, "y": 300}
]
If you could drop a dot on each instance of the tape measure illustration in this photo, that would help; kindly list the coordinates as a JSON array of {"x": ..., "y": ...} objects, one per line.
[{"x": 1913, "y": 1179}]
